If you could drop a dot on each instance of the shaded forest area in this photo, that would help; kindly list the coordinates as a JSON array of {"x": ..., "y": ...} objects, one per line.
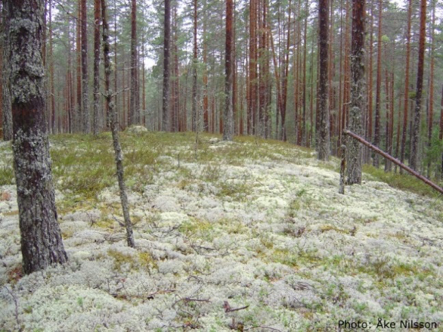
[{"x": 171, "y": 64}]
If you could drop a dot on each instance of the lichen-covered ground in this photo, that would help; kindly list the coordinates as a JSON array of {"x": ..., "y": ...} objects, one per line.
[{"x": 256, "y": 225}]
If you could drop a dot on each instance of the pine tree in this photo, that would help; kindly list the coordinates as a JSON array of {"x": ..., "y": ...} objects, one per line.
[
  {"x": 166, "y": 60},
  {"x": 228, "y": 128},
  {"x": 41, "y": 241},
  {"x": 358, "y": 93},
  {"x": 322, "y": 109},
  {"x": 110, "y": 105},
  {"x": 419, "y": 87}
]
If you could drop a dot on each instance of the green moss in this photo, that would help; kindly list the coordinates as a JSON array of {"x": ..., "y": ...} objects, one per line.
[
  {"x": 198, "y": 228},
  {"x": 6, "y": 175},
  {"x": 143, "y": 260},
  {"x": 401, "y": 181}
]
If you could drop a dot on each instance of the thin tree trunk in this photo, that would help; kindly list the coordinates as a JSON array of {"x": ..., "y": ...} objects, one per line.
[
  {"x": 41, "y": 240},
  {"x": 205, "y": 72},
  {"x": 166, "y": 61},
  {"x": 194, "y": 114},
  {"x": 305, "y": 47},
  {"x": 134, "y": 108},
  {"x": 431, "y": 87},
  {"x": 371, "y": 84},
  {"x": 252, "y": 101},
  {"x": 358, "y": 93},
  {"x": 346, "y": 69},
  {"x": 323, "y": 116},
  {"x": 377, "y": 128},
  {"x": 109, "y": 95},
  {"x": 228, "y": 128},
  {"x": 95, "y": 123},
  {"x": 85, "y": 74},
  {"x": 418, "y": 95},
  {"x": 6, "y": 95},
  {"x": 52, "y": 115},
  {"x": 440, "y": 136},
  {"x": 406, "y": 96}
]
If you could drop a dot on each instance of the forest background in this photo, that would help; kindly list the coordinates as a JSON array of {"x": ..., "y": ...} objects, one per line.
[{"x": 275, "y": 71}]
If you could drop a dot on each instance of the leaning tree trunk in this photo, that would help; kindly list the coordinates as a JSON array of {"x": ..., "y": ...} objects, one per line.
[
  {"x": 323, "y": 116},
  {"x": 110, "y": 106},
  {"x": 358, "y": 93},
  {"x": 41, "y": 241},
  {"x": 228, "y": 121},
  {"x": 417, "y": 113}
]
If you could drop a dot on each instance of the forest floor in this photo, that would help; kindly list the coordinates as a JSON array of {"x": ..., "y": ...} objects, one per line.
[{"x": 252, "y": 225}]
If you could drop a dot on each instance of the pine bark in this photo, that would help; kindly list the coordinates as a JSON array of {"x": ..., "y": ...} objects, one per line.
[
  {"x": 440, "y": 135},
  {"x": 419, "y": 86},
  {"x": 205, "y": 70},
  {"x": 79, "y": 109},
  {"x": 86, "y": 121},
  {"x": 52, "y": 109},
  {"x": 228, "y": 128},
  {"x": 110, "y": 105},
  {"x": 95, "y": 117},
  {"x": 41, "y": 241},
  {"x": 406, "y": 95},
  {"x": 6, "y": 95},
  {"x": 431, "y": 86},
  {"x": 134, "y": 108},
  {"x": 194, "y": 113},
  {"x": 166, "y": 61},
  {"x": 358, "y": 93},
  {"x": 377, "y": 128},
  {"x": 252, "y": 98},
  {"x": 323, "y": 137}
]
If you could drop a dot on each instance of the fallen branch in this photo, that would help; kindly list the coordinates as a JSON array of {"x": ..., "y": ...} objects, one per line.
[
  {"x": 229, "y": 309},
  {"x": 395, "y": 161}
]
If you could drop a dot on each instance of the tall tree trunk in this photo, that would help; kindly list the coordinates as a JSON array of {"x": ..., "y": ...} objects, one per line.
[
  {"x": 6, "y": 95},
  {"x": 52, "y": 119},
  {"x": 109, "y": 95},
  {"x": 431, "y": 87},
  {"x": 358, "y": 93},
  {"x": 285, "y": 75},
  {"x": 194, "y": 114},
  {"x": 228, "y": 128},
  {"x": 323, "y": 116},
  {"x": 371, "y": 85},
  {"x": 440, "y": 136},
  {"x": 175, "y": 98},
  {"x": 346, "y": 69},
  {"x": 377, "y": 128},
  {"x": 205, "y": 71},
  {"x": 305, "y": 47},
  {"x": 134, "y": 109},
  {"x": 252, "y": 100},
  {"x": 406, "y": 95},
  {"x": 41, "y": 240},
  {"x": 95, "y": 118},
  {"x": 166, "y": 61},
  {"x": 418, "y": 95},
  {"x": 85, "y": 74}
]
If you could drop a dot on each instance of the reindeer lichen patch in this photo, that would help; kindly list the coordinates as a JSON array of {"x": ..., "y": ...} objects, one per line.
[{"x": 271, "y": 235}]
